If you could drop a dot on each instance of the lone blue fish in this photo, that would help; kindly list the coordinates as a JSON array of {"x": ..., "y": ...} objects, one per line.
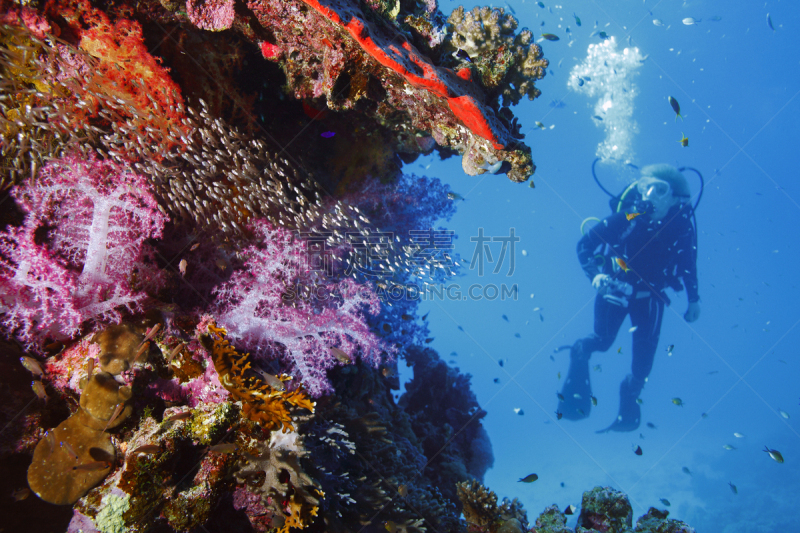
[{"x": 675, "y": 107}]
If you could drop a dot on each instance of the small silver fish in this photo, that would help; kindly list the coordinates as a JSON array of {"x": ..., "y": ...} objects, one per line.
[
  {"x": 689, "y": 21},
  {"x": 729, "y": 447},
  {"x": 657, "y": 22}
]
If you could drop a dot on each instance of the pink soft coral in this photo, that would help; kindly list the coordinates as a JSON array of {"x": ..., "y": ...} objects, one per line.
[
  {"x": 277, "y": 307},
  {"x": 81, "y": 253}
]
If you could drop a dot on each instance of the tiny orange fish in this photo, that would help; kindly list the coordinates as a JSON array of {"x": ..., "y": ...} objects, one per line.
[
  {"x": 93, "y": 466},
  {"x": 622, "y": 264},
  {"x": 38, "y": 389},
  {"x": 69, "y": 449},
  {"x": 21, "y": 494},
  {"x": 227, "y": 447},
  {"x": 341, "y": 356},
  {"x": 90, "y": 369},
  {"x": 114, "y": 416},
  {"x": 179, "y": 416},
  {"x": 147, "y": 448},
  {"x": 32, "y": 365},
  {"x": 631, "y": 216},
  {"x": 143, "y": 348}
]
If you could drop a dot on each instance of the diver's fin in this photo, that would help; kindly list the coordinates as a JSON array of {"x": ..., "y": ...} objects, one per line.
[
  {"x": 577, "y": 391},
  {"x": 630, "y": 414}
]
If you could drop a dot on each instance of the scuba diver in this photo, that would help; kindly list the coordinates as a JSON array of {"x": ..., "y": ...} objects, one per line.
[{"x": 631, "y": 258}]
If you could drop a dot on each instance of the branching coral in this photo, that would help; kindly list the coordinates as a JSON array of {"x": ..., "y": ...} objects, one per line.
[
  {"x": 483, "y": 514},
  {"x": 262, "y": 402},
  {"x": 480, "y": 504}
]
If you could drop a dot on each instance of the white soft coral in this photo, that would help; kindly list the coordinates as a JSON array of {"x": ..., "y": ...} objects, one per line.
[{"x": 81, "y": 246}]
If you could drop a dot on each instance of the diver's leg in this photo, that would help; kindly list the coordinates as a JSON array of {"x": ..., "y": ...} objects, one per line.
[
  {"x": 576, "y": 395},
  {"x": 646, "y": 316}
]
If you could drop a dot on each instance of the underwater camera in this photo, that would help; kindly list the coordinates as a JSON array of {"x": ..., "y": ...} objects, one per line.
[{"x": 616, "y": 292}]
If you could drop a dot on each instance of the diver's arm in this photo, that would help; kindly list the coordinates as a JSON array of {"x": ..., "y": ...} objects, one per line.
[
  {"x": 604, "y": 232},
  {"x": 687, "y": 269},
  {"x": 687, "y": 265}
]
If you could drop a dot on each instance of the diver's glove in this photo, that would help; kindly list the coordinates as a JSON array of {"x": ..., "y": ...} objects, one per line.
[
  {"x": 693, "y": 312},
  {"x": 600, "y": 281}
]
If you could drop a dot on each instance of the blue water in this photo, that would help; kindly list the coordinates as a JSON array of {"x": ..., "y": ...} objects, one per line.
[{"x": 737, "y": 82}]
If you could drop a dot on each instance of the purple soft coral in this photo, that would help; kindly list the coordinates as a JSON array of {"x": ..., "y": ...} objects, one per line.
[
  {"x": 80, "y": 250},
  {"x": 277, "y": 307}
]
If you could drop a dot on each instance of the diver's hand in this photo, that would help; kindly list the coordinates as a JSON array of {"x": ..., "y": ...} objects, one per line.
[
  {"x": 693, "y": 312},
  {"x": 600, "y": 281}
]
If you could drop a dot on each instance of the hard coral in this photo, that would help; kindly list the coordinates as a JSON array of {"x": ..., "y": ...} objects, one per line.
[
  {"x": 56, "y": 475},
  {"x": 508, "y": 64},
  {"x": 551, "y": 520},
  {"x": 374, "y": 69},
  {"x": 405, "y": 60},
  {"x": 262, "y": 403},
  {"x": 285, "y": 488},
  {"x": 213, "y": 15},
  {"x": 656, "y": 521},
  {"x": 606, "y": 510},
  {"x": 480, "y": 504}
]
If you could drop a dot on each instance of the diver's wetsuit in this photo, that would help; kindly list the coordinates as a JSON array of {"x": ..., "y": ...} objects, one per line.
[{"x": 656, "y": 254}]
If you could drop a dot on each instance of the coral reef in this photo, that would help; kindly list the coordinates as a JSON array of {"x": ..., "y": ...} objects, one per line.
[
  {"x": 605, "y": 509},
  {"x": 207, "y": 230}
]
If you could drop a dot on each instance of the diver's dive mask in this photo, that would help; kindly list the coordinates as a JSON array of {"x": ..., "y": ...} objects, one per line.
[{"x": 653, "y": 188}]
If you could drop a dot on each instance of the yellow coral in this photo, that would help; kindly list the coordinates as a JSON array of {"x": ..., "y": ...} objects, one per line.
[
  {"x": 295, "y": 519},
  {"x": 262, "y": 403}
]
